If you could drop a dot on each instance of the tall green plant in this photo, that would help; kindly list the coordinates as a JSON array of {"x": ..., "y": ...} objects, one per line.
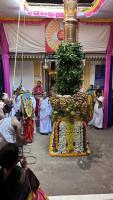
[{"x": 69, "y": 68}]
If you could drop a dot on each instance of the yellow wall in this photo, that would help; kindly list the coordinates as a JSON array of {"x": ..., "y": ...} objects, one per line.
[
  {"x": 86, "y": 74},
  {"x": 37, "y": 72}
]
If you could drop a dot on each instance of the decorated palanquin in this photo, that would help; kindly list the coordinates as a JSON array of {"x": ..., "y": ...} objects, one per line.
[
  {"x": 28, "y": 112},
  {"x": 26, "y": 105},
  {"x": 69, "y": 135}
]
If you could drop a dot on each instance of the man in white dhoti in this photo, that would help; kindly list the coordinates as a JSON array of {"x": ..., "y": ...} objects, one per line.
[
  {"x": 97, "y": 120},
  {"x": 45, "y": 115}
]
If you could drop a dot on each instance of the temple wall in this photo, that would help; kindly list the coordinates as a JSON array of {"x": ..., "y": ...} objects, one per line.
[{"x": 28, "y": 74}]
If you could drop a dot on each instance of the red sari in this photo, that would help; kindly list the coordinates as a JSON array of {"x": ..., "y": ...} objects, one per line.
[{"x": 28, "y": 129}]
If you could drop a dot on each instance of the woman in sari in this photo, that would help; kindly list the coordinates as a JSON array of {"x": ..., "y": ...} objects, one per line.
[{"x": 17, "y": 183}]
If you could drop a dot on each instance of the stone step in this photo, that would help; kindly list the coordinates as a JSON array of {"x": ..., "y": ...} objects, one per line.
[{"x": 83, "y": 197}]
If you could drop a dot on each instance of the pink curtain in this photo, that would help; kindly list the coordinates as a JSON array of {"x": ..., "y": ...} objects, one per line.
[
  {"x": 5, "y": 59},
  {"x": 107, "y": 77}
]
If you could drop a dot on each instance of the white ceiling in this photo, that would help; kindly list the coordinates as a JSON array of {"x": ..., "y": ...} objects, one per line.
[{"x": 10, "y": 8}]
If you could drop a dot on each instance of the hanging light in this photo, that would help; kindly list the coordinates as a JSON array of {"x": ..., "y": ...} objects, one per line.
[{"x": 45, "y": 66}]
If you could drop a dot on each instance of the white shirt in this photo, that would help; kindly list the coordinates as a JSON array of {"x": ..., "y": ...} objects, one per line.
[{"x": 7, "y": 130}]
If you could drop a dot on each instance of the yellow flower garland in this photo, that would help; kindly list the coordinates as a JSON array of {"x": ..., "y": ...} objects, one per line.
[
  {"x": 70, "y": 140},
  {"x": 27, "y": 108}
]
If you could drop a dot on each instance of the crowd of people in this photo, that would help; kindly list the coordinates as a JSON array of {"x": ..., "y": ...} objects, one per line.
[
  {"x": 19, "y": 118},
  {"x": 23, "y": 114},
  {"x": 17, "y": 125}
]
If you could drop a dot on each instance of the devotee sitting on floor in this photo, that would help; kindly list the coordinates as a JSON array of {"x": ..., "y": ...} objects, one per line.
[
  {"x": 97, "y": 120},
  {"x": 16, "y": 182},
  {"x": 45, "y": 115},
  {"x": 10, "y": 130},
  {"x": 38, "y": 92}
]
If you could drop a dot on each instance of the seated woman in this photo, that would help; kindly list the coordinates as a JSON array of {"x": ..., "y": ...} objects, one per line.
[{"x": 16, "y": 183}]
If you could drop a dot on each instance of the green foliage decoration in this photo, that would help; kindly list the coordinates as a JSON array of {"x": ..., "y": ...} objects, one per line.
[{"x": 69, "y": 68}]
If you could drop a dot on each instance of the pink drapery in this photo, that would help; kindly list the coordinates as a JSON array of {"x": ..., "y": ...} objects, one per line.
[
  {"x": 107, "y": 77},
  {"x": 5, "y": 59}
]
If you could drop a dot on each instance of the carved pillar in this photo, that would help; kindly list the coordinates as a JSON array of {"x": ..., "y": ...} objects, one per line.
[{"x": 70, "y": 20}]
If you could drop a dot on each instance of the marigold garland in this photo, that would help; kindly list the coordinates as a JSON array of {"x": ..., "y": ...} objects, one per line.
[
  {"x": 27, "y": 108},
  {"x": 69, "y": 144},
  {"x": 56, "y": 134}
]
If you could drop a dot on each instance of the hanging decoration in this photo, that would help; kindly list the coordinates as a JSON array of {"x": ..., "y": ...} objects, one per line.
[
  {"x": 54, "y": 35},
  {"x": 59, "y": 13},
  {"x": 94, "y": 8}
]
